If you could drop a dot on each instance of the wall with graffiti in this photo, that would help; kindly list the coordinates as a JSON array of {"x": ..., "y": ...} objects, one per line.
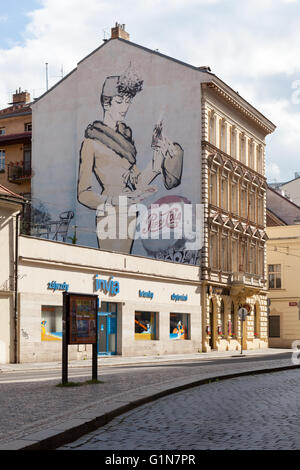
[{"x": 116, "y": 154}]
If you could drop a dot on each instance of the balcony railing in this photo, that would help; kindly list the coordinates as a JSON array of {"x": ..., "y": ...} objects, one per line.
[{"x": 18, "y": 172}]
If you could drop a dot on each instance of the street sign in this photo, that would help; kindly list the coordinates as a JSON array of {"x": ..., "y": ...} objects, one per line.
[{"x": 243, "y": 312}]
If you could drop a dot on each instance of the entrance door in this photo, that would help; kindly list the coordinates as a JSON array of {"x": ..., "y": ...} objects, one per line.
[
  {"x": 107, "y": 330},
  {"x": 211, "y": 325}
]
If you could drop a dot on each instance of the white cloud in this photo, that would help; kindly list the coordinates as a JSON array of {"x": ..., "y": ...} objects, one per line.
[{"x": 273, "y": 172}]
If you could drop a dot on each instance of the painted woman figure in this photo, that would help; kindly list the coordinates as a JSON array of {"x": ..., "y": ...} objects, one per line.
[{"x": 109, "y": 152}]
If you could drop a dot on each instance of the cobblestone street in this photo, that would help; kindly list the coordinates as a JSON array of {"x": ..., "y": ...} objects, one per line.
[{"x": 256, "y": 412}]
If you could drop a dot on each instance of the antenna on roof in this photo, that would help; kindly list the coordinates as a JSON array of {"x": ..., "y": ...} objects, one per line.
[
  {"x": 47, "y": 77},
  {"x": 105, "y": 33}
]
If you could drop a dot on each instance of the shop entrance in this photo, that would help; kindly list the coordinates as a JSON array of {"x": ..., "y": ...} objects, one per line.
[{"x": 107, "y": 329}]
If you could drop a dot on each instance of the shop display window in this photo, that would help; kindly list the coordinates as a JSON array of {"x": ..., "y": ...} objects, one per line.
[
  {"x": 145, "y": 325},
  {"x": 51, "y": 323},
  {"x": 179, "y": 325}
]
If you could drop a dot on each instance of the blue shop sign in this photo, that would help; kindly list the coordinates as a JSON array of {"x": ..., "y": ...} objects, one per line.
[
  {"x": 182, "y": 298},
  {"x": 58, "y": 286},
  {"x": 112, "y": 287},
  {"x": 148, "y": 295}
]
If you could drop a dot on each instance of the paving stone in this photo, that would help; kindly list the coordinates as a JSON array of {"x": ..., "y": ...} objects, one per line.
[{"x": 243, "y": 413}]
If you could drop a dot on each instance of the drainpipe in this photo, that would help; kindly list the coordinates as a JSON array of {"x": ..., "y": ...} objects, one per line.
[{"x": 16, "y": 266}]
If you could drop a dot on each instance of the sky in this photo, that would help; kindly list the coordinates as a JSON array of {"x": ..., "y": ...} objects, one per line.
[{"x": 252, "y": 45}]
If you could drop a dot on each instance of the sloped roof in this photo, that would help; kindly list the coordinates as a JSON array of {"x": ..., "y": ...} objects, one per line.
[
  {"x": 281, "y": 207},
  {"x": 213, "y": 79},
  {"x": 6, "y": 193}
]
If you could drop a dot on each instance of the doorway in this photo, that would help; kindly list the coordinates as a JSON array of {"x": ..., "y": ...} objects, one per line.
[
  {"x": 211, "y": 325},
  {"x": 107, "y": 329}
]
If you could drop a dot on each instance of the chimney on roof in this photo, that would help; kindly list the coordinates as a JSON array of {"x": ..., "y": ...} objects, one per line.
[
  {"x": 119, "y": 32},
  {"x": 21, "y": 97}
]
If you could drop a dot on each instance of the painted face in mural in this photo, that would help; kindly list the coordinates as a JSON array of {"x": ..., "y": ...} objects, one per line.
[{"x": 115, "y": 109}]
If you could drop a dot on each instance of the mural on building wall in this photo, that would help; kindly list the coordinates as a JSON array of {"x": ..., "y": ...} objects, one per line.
[{"x": 108, "y": 151}]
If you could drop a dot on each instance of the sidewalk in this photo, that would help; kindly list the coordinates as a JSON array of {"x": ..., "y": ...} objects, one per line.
[
  {"x": 40, "y": 415},
  {"x": 119, "y": 360}
]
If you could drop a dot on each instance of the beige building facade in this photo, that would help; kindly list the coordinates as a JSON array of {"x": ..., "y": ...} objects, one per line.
[
  {"x": 154, "y": 310},
  {"x": 283, "y": 257},
  {"x": 234, "y": 197},
  {"x": 10, "y": 210}
]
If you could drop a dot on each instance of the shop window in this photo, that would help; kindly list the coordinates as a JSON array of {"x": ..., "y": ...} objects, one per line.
[
  {"x": 145, "y": 325},
  {"x": 274, "y": 326},
  {"x": 274, "y": 276},
  {"x": 179, "y": 325},
  {"x": 51, "y": 323}
]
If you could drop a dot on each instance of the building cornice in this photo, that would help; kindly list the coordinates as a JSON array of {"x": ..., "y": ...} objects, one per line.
[{"x": 232, "y": 97}]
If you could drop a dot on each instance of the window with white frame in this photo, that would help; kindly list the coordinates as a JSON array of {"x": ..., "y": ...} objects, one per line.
[{"x": 274, "y": 274}]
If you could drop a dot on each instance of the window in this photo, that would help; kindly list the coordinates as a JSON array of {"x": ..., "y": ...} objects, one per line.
[
  {"x": 250, "y": 154},
  {"x": 2, "y": 130},
  {"x": 224, "y": 253},
  {"x": 252, "y": 259},
  {"x": 28, "y": 127},
  {"x": 234, "y": 198},
  {"x": 251, "y": 213},
  {"x": 224, "y": 193},
  {"x": 242, "y": 149},
  {"x": 51, "y": 323},
  {"x": 233, "y": 141},
  {"x": 259, "y": 159},
  {"x": 179, "y": 325},
  {"x": 213, "y": 189},
  {"x": 222, "y": 139},
  {"x": 274, "y": 326},
  {"x": 243, "y": 202},
  {"x": 214, "y": 252},
  {"x": 274, "y": 276},
  {"x": 234, "y": 256},
  {"x": 27, "y": 159},
  {"x": 145, "y": 326},
  {"x": 2, "y": 161},
  {"x": 211, "y": 128}
]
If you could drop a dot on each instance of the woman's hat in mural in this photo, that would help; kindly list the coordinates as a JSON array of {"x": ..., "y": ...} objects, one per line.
[{"x": 129, "y": 83}]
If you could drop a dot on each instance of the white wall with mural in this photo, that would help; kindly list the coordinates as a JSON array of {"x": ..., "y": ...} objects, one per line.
[{"x": 126, "y": 122}]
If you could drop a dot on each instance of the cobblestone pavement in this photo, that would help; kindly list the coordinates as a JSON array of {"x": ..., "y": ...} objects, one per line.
[
  {"x": 255, "y": 412},
  {"x": 33, "y": 406}
]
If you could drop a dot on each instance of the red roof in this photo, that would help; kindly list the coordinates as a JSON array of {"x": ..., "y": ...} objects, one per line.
[
  {"x": 15, "y": 109},
  {"x": 6, "y": 192}
]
